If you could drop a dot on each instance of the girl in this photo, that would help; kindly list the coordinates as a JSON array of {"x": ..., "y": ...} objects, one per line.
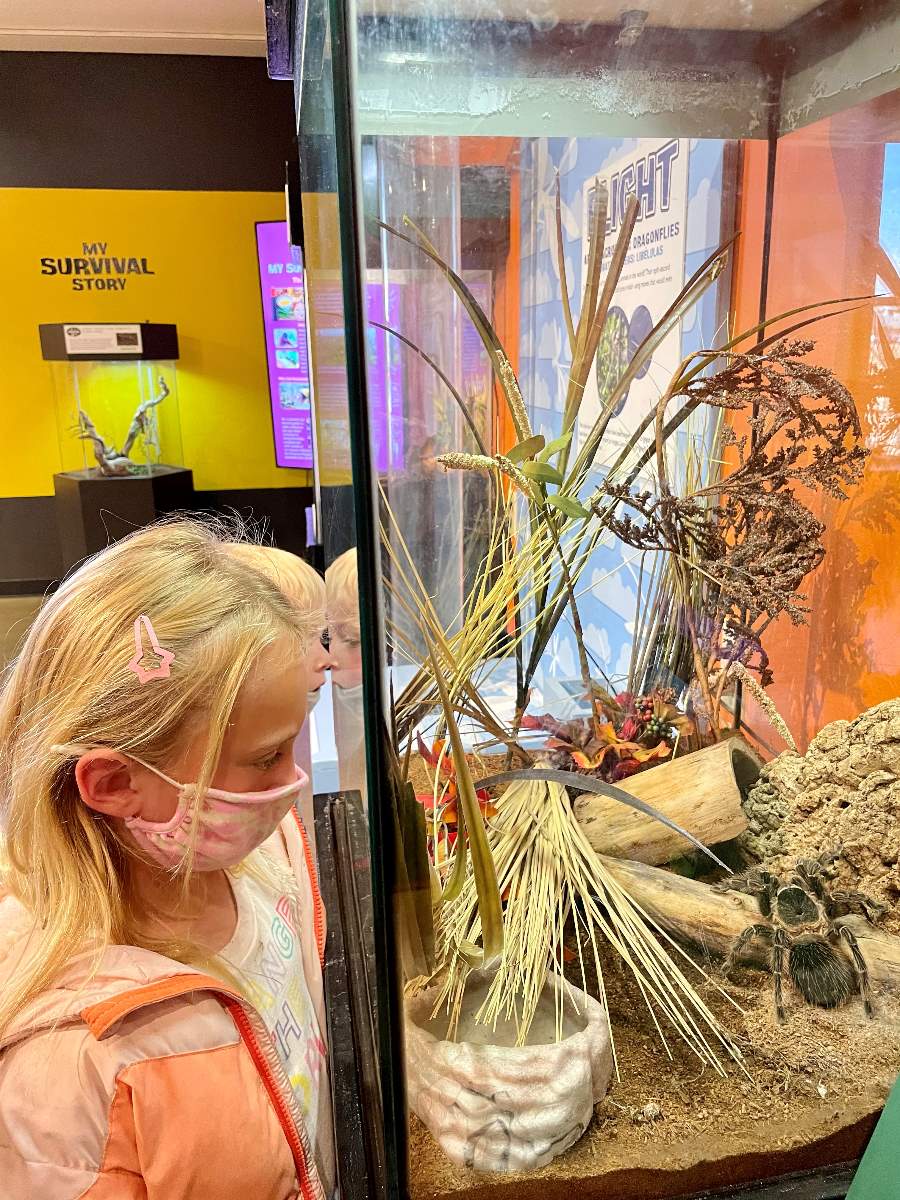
[
  {"x": 161, "y": 1008},
  {"x": 342, "y": 588},
  {"x": 305, "y": 588},
  {"x": 345, "y": 660}
]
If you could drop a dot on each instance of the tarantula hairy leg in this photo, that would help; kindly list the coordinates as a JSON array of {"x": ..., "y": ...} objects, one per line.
[
  {"x": 742, "y": 943},
  {"x": 872, "y": 910},
  {"x": 862, "y": 971}
]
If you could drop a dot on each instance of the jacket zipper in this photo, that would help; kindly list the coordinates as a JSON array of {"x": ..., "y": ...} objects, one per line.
[
  {"x": 318, "y": 905},
  {"x": 300, "y": 1152}
]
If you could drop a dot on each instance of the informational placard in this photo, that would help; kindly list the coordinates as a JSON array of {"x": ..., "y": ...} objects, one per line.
[
  {"x": 653, "y": 275},
  {"x": 282, "y": 288},
  {"x": 103, "y": 339}
]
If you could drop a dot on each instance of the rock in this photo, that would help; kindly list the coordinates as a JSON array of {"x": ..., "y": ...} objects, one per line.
[
  {"x": 864, "y": 760},
  {"x": 830, "y": 737},
  {"x": 844, "y": 791}
]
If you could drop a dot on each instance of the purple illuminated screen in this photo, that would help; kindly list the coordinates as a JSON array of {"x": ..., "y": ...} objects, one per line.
[{"x": 282, "y": 283}]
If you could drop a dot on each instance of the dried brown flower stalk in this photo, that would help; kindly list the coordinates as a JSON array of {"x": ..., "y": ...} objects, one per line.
[
  {"x": 776, "y": 720},
  {"x": 750, "y": 536}
]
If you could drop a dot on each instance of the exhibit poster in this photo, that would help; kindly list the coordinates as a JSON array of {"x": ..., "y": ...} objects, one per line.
[
  {"x": 287, "y": 351},
  {"x": 297, "y": 393},
  {"x": 652, "y": 277}
]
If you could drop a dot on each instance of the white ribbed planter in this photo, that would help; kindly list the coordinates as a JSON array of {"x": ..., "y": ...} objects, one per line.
[{"x": 495, "y": 1106}]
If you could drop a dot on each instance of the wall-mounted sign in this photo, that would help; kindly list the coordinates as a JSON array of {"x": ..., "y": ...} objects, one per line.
[
  {"x": 652, "y": 277},
  {"x": 96, "y": 269},
  {"x": 103, "y": 339},
  {"x": 282, "y": 284}
]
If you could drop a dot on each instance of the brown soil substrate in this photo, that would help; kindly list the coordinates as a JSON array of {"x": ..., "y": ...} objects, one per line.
[{"x": 673, "y": 1128}]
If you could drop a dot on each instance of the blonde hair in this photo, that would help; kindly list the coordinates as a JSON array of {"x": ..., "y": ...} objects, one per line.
[
  {"x": 294, "y": 578},
  {"x": 342, "y": 594},
  {"x": 71, "y": 684}
]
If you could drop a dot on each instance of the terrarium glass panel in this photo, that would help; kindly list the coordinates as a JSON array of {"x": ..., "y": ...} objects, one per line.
[
  {"x": 638, "y": 581},
  {"x": 117, "y": 418}
]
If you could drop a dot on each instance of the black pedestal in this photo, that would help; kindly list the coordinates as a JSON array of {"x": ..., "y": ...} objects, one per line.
[{"x": 92, "y": 511}]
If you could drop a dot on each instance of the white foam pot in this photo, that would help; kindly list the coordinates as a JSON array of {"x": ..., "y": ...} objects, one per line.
[{"x": 495, "y": 1106}]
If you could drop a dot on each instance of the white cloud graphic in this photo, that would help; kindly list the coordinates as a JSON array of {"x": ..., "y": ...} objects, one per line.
[
  {"x": 562, "y": 658},
  {"x": 623, "y": 663},
  {"x": 627, "y": 146},
  {"x": 612, "y": 591},
  {"x": 703, "y": 218},
  {"x": 543, "y": 287},
  {"x": 569, "y": 156},
  {"x": 550, "y": 343},
  {"x": 596, "y": 641},
  {"x": 543, "y": 397}
]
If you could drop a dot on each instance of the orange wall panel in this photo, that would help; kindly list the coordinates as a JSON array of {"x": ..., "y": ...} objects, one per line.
[{"x": 825, "y": 231}]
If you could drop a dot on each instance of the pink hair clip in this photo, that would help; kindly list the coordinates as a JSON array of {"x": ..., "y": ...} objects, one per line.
[{"x": 164, "y": 658}]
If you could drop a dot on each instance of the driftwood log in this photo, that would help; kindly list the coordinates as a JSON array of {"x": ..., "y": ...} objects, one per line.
[
  {"x": 702, "y": 792},
  {"x": 710, "y": 921}
]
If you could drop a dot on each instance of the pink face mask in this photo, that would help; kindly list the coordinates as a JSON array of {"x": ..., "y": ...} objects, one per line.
[{"x": 229, "y": 824}]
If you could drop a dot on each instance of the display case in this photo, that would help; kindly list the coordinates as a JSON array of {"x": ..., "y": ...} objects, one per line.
[
  {"x": 119, "y": 429},
  {"x": 116, "y": 390},
  {"x": 627, "y": 587}
]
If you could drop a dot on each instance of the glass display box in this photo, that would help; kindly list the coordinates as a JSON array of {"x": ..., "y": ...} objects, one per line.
[
  {"x": 116, "y": 389},
  {"x": 120, "y": 448},
  {"x": 626, "y": 590}
]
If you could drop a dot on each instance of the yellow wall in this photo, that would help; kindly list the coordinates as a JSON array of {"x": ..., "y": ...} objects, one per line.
[{"x": 202, "y": 248}]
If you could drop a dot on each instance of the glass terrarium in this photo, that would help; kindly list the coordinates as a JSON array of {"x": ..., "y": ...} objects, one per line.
[
  {"x": 115, "y": 418},
  {"x": 627, "y": 582},
  {"x": 118, "y": 419}
]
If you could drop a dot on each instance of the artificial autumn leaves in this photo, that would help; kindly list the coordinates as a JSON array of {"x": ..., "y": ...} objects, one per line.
[
  {"x": 625, "y": 735},
  {"x": 440, "y": 761}
]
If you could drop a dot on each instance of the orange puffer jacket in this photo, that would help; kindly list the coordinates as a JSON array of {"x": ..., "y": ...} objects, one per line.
[{"x": 148, "y": 1081}]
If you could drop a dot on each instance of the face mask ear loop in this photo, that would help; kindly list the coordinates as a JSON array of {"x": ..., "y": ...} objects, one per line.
[{"x": 79, "y": 748}]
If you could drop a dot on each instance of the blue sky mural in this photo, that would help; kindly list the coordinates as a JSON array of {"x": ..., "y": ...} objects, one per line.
[
  {"x": 608, "y": 587},
  {"x": 890, "y": 203}
]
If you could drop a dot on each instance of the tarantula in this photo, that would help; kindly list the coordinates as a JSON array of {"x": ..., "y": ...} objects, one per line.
[{"x": 804, "y": 927}]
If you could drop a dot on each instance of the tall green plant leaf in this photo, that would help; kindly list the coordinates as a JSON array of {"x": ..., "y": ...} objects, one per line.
[
  {"x": 500, "y": 363},
  {"x": 426, "y": 358},
  {"x": 563, "y": 274},
  {"x": 471, "y": 828}
]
